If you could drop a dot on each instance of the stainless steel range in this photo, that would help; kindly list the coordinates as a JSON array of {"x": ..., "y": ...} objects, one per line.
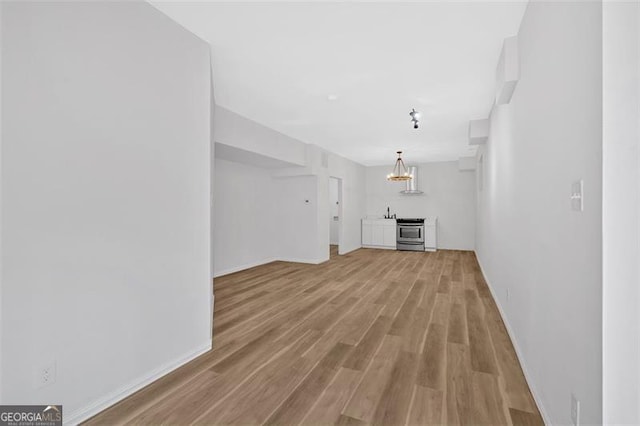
[{"x": 410, "y": 234}]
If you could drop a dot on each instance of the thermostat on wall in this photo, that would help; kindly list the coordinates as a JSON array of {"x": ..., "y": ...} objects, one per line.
[{"x": 576, "y": 196}]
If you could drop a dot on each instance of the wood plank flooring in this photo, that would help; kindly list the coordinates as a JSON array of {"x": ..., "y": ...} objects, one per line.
[{"x": 372, "y": 337}]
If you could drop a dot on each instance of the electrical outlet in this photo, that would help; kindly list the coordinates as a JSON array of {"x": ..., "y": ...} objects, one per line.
[
  {"x": 575, "y": 410},
  {"x": 45, "y": 375}
]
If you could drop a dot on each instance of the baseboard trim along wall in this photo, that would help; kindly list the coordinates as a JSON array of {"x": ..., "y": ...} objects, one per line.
[
  {"x": 514, "y": 342},
  {"x": 308, "y": 261},
  {"x": 276, "y": 259},
  {"x": 348, "y": 250},
  {"x": 265, "y": 261},
  {"x": 107, "y": 401},
  {"x": 243, "y": 267},
  {"x": 379, "y": 248}
]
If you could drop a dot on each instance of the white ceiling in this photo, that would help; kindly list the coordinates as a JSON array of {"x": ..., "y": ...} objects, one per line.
[{"x": 277, "y": 63}]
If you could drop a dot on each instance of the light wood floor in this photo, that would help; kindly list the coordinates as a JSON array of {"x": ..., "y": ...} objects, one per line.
[{"x": 372, "y": 337}]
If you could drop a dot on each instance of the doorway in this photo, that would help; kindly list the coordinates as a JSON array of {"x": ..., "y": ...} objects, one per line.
[{"x": 335, "y": 215}]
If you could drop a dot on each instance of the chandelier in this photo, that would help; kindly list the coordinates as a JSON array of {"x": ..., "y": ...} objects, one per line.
[{"x": 399, "y": 172}]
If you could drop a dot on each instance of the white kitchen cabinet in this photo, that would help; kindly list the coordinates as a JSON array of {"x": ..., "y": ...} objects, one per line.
[
  {"x": 367, "y": 234},
  {"x": 430, "y": 234},
  {"x": 379, "y": 233},
  {"x": 389, "y": 235}
]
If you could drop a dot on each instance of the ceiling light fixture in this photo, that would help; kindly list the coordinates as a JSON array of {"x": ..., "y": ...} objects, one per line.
[
  {"x": 415, "y": 117},
  {"x": 400, "y": 172}
]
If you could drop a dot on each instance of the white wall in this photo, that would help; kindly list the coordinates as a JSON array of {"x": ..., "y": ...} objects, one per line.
[
  {"x": 306, "y": 177},
  {"x": 323, "y": 165},
  {"x": 105, "y": 213},
  {"x": 353, "y": 176},
  {"x": 212, "y": 158},
  {"x": 235, "y": 130},
  {"x": 621, "y": 212},
  {"x": 297, "y": 212},
  {"x": 245, "y": 220},
  {"x": 448, "y": 193},
  {"x": 334, "y": 211},
  {"x": 277, "y": 222},
  {"x": 529, "y": 241},
  {"x": 1, "y": 201}
]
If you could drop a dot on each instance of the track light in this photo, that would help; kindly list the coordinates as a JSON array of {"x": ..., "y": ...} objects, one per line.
[{"x": 415, "y": 117}]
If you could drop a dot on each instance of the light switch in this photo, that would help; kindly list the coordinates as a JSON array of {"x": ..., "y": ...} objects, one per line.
[{"x": 576, "y": 196}]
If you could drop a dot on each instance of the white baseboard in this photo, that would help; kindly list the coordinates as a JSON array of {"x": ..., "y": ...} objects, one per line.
[
  {"x": 308, "y": 261},
  {"x": 265, "y": 261},
  {"x": 514, "y": 342},
  {"x": 458, "y": 248},
  {"x": 380, "y": 247},
  {"x": 105, "y": 402},
  {"x": 217, "y": 274},
  {"x": 348, "y": 250}
]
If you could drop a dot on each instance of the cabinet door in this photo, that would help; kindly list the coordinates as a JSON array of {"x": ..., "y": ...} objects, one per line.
[
  {"x": 389, "y": 236},
  {"x": 430, "y": 236},
  {"x": 366, "y": 235},
  {"x": 378, "y": 235}
]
